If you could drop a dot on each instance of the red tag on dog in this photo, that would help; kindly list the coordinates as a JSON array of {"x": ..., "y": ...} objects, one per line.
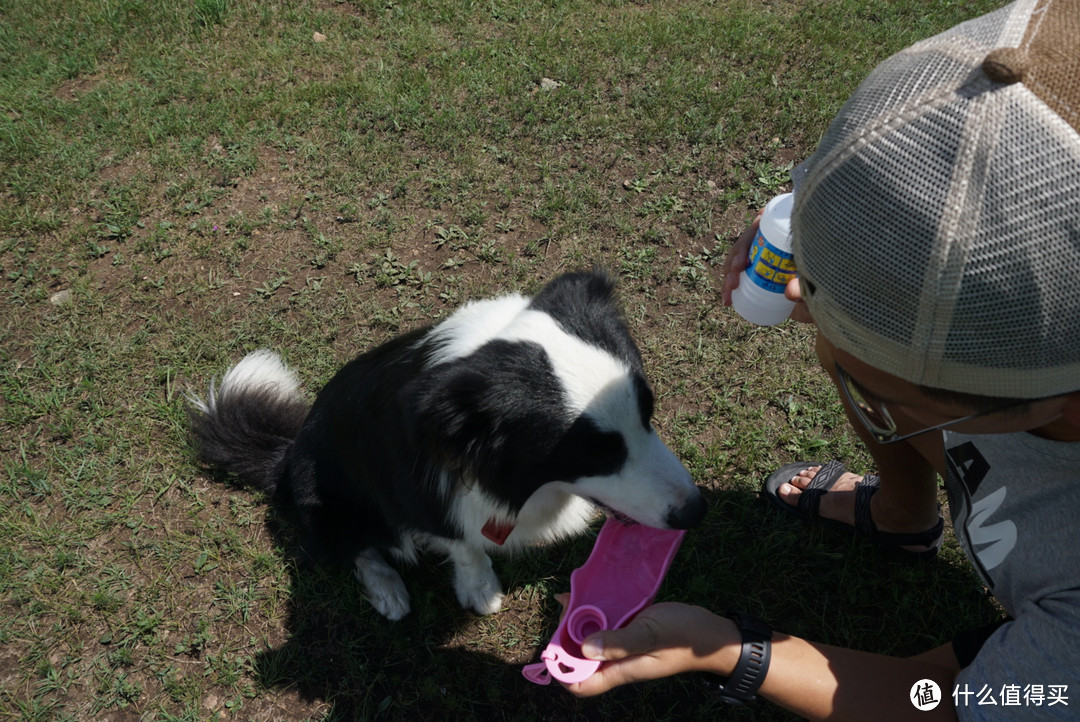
[{"x": 497, "y": 531}]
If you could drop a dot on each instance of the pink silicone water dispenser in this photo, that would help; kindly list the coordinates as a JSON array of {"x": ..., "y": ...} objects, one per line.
[{"x": 619, "y": 579}]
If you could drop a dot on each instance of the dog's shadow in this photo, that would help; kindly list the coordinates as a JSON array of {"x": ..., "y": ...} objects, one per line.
[
  {"x": 442, "y": 659},
  {"x": 448, "y": 663}
]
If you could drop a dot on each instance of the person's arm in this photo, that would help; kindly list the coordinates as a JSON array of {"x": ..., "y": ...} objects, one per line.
[{"x": 816, "y": 681}]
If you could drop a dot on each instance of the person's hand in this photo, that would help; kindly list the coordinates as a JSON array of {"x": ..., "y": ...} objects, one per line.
[
  {"x": 799, "y": 312},
  {"x": 662, "y": 640},
  {"x": 737, "y": 258},
  {"x": 735, "y": 264}
]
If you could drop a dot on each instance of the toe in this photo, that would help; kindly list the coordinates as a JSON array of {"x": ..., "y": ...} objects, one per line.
[
  {"x": 789, "y": 493},
  {"x": 804, "y": 477}
]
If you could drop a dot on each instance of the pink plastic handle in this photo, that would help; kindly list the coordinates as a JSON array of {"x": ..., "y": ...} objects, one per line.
[{"x": 620, "y": 578}]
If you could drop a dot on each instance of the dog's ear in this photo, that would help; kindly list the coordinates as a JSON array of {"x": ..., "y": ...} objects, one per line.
[
  {"x": 447, "y": 419},
  {"x": 499, "y": 418},
  {"x": 474, "y": 412},
  {"x": 584, "y": 305}
]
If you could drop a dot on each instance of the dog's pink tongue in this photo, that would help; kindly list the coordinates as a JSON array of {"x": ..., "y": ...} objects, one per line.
[{"x": 496, "y": 530}]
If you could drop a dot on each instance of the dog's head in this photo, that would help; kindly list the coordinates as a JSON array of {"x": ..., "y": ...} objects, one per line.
[{"x": 525, "y": 393}]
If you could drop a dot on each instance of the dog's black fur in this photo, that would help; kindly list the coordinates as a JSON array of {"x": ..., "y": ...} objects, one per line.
[{"x": 423, "y": 437}]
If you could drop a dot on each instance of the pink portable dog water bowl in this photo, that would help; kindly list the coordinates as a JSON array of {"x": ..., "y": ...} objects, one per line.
[{"x": 619, "y": 579}]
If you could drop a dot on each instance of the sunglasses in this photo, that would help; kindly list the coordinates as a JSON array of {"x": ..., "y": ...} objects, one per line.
[{"x": 879, "y": 422}]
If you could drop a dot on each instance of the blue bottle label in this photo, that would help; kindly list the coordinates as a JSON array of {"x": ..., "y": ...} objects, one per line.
[{"x": 770, "y": 268}]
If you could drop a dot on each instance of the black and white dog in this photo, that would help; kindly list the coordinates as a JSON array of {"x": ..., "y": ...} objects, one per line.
[{"x": 504, "y": 425}]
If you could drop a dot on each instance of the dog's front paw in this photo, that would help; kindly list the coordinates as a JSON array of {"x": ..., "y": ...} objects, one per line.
[
  {"x": 391, "y": 603},
  {"x": 475, "y": 583},
  {"x": 483, "y": 595},
  {"x": 383, "y": 586}
]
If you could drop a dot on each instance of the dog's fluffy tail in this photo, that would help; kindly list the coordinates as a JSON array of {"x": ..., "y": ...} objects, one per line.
[{"x": 247, "y": 424}]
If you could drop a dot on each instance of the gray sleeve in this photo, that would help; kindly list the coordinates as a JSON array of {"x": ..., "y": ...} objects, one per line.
[{"x": 1028, "y": 669}]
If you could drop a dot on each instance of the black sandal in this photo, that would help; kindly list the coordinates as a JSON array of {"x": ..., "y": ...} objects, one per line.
[{"x": 809, "y": 502}]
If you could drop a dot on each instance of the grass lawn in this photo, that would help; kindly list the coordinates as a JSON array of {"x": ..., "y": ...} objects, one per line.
[{"x": 184, "y": 182}]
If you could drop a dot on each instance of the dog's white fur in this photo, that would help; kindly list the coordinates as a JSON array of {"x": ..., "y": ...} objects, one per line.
[{"x": 584, "y": 350}]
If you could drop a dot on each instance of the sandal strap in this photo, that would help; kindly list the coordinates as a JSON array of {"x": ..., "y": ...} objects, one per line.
[
  {"x": 823, "y": 481},
  {"x": 864, "y": 492},
  {"x": 928, "y": 538},
  {"x": 864, "y": 522},
  {"x": 829, "y": 473}
]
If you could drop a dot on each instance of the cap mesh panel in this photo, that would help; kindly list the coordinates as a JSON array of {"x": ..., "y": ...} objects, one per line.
[{"x": 938, "y": 222}]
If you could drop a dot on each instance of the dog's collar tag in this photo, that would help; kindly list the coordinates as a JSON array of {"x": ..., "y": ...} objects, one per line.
[{"x": 496, "y": 530}]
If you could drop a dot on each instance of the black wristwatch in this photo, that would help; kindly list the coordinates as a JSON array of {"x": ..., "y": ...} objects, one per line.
[{"x": 742, "y": 686}]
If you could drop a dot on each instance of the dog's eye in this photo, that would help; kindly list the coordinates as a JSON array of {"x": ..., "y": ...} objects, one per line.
[
  {"x": 606, "y": 454},
  {"x": 585, "y": 450}
]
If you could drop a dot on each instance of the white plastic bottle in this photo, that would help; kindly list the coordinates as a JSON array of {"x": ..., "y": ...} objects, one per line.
[{"x": 759, "y": 297}]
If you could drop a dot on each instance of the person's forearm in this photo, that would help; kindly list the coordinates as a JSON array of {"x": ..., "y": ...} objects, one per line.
[{"x": 818, "y": 681}]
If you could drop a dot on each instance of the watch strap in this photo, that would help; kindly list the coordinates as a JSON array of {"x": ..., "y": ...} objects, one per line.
[{"x": 745, "y": 680}]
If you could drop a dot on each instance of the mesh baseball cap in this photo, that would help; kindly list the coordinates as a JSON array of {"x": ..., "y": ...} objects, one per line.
[{"x": 936, "y": 227}]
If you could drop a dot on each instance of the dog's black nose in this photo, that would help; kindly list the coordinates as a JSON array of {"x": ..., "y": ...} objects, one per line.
[{"x": 689, "y": 514}]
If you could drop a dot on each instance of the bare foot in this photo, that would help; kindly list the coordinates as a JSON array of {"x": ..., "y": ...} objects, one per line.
[{"x": 838, "y": 504}]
